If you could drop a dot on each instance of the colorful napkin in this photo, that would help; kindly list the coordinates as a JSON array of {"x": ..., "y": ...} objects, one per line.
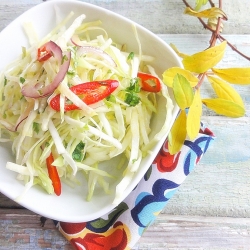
[{"x": 123, "y": 227}]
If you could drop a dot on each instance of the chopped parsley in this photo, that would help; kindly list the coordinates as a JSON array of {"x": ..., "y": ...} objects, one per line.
[
  {"x": 131, "y": 56},
  {"x": 22, "y": 80},
  {"x": 36, "y": 127},
  {"x": 5, "y": 81},
  {"x": 78, "y": 154},
  {"x": 71, "y": 73},
  {"x": 65, "y": 58},
  {"x": 131, "y": 97}
]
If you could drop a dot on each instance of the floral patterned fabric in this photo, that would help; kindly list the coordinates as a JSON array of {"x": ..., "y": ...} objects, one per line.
[{"x": 123, "y": 227}]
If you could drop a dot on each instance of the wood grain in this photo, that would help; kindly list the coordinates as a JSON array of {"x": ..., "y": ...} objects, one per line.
[
  {"x": 211, "y": 209},
  {"x": 22, "y": 230},
  {"x": 162, "y": 17}
]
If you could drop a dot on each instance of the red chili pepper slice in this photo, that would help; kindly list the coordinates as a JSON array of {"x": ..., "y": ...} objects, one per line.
[
  {"x": 53, "y": 175},
  {"x": 43, "y": 54},
  {"x": 48, "y": 50},
  {"x": 89, "y": 92},
  {"x": 149, "y": 83}
]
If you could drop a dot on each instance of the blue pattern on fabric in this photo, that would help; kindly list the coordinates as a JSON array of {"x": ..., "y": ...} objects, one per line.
[{"x": 151, "y": 203}]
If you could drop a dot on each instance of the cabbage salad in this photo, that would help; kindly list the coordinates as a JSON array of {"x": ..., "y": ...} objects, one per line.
[{"x": 72, "y": 101}]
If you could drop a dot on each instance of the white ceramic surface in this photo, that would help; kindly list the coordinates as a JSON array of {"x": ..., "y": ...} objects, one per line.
[{"x": 71, "y": 205}]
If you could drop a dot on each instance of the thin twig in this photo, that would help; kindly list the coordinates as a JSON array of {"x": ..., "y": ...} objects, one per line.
[
  {"x": 233, "y": 47},
  {"x": 201, "y": 79},
  {"x": 211, "y": 3}
]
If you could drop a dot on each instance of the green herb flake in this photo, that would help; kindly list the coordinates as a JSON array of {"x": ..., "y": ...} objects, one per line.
[
  {"x": 5, "y": 81},
  {"x": 134, "y": 160},
  {"x": 80, "y": 145},
  {"x": 71, "y": 73},
  {"x": 65, "y": 58},
  {"x": 131, "y": 56},
  {"x": 132, "y": 99},
  {"x": 36, "y": 127},
  {"x": 78, "y": 154},
  {"x": 134, "y": 85},
  {"x": 22, "y": 80}
]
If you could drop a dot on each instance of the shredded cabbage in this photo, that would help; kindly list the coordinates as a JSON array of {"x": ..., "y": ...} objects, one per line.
[{"x": 80, "y": 139}]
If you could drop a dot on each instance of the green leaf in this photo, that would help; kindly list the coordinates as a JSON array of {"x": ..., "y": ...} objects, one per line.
[
  {"x": 169, "y": 74},
  {"x": 183, "y": 92},
  {"x": 194, "y": 116},
  {"x": 225, "y": 91},
  {"x": 224, "y": 107},
  {"x": 234, "y": 75},
  {"x": 202, "y": 61},
  {"x": 177, "y": 134}
]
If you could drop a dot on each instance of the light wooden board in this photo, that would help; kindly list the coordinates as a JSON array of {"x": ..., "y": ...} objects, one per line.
[
  {"x": 22, "y": 230},
  {"x": 159, "y": 16}
]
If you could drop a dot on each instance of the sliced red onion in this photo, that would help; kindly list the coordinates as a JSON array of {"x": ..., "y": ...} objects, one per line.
[
  {"x": 54, "y": 49},
  {"x": 37, "y": 91},
  {"x": 20, "y": 121},
  {"x": 77, "y": 42},
  {"x": 94, "y": 50}
]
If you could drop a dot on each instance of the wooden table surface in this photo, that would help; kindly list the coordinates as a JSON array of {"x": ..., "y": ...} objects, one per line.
[{"x": 211, "y": 209}]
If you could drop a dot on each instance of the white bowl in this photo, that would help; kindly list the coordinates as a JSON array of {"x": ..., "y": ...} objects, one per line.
[{"x": 71, "y": 206}]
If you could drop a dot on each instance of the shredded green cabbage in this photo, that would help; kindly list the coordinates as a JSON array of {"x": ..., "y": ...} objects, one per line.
[{"x": 81, "y": 139}]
